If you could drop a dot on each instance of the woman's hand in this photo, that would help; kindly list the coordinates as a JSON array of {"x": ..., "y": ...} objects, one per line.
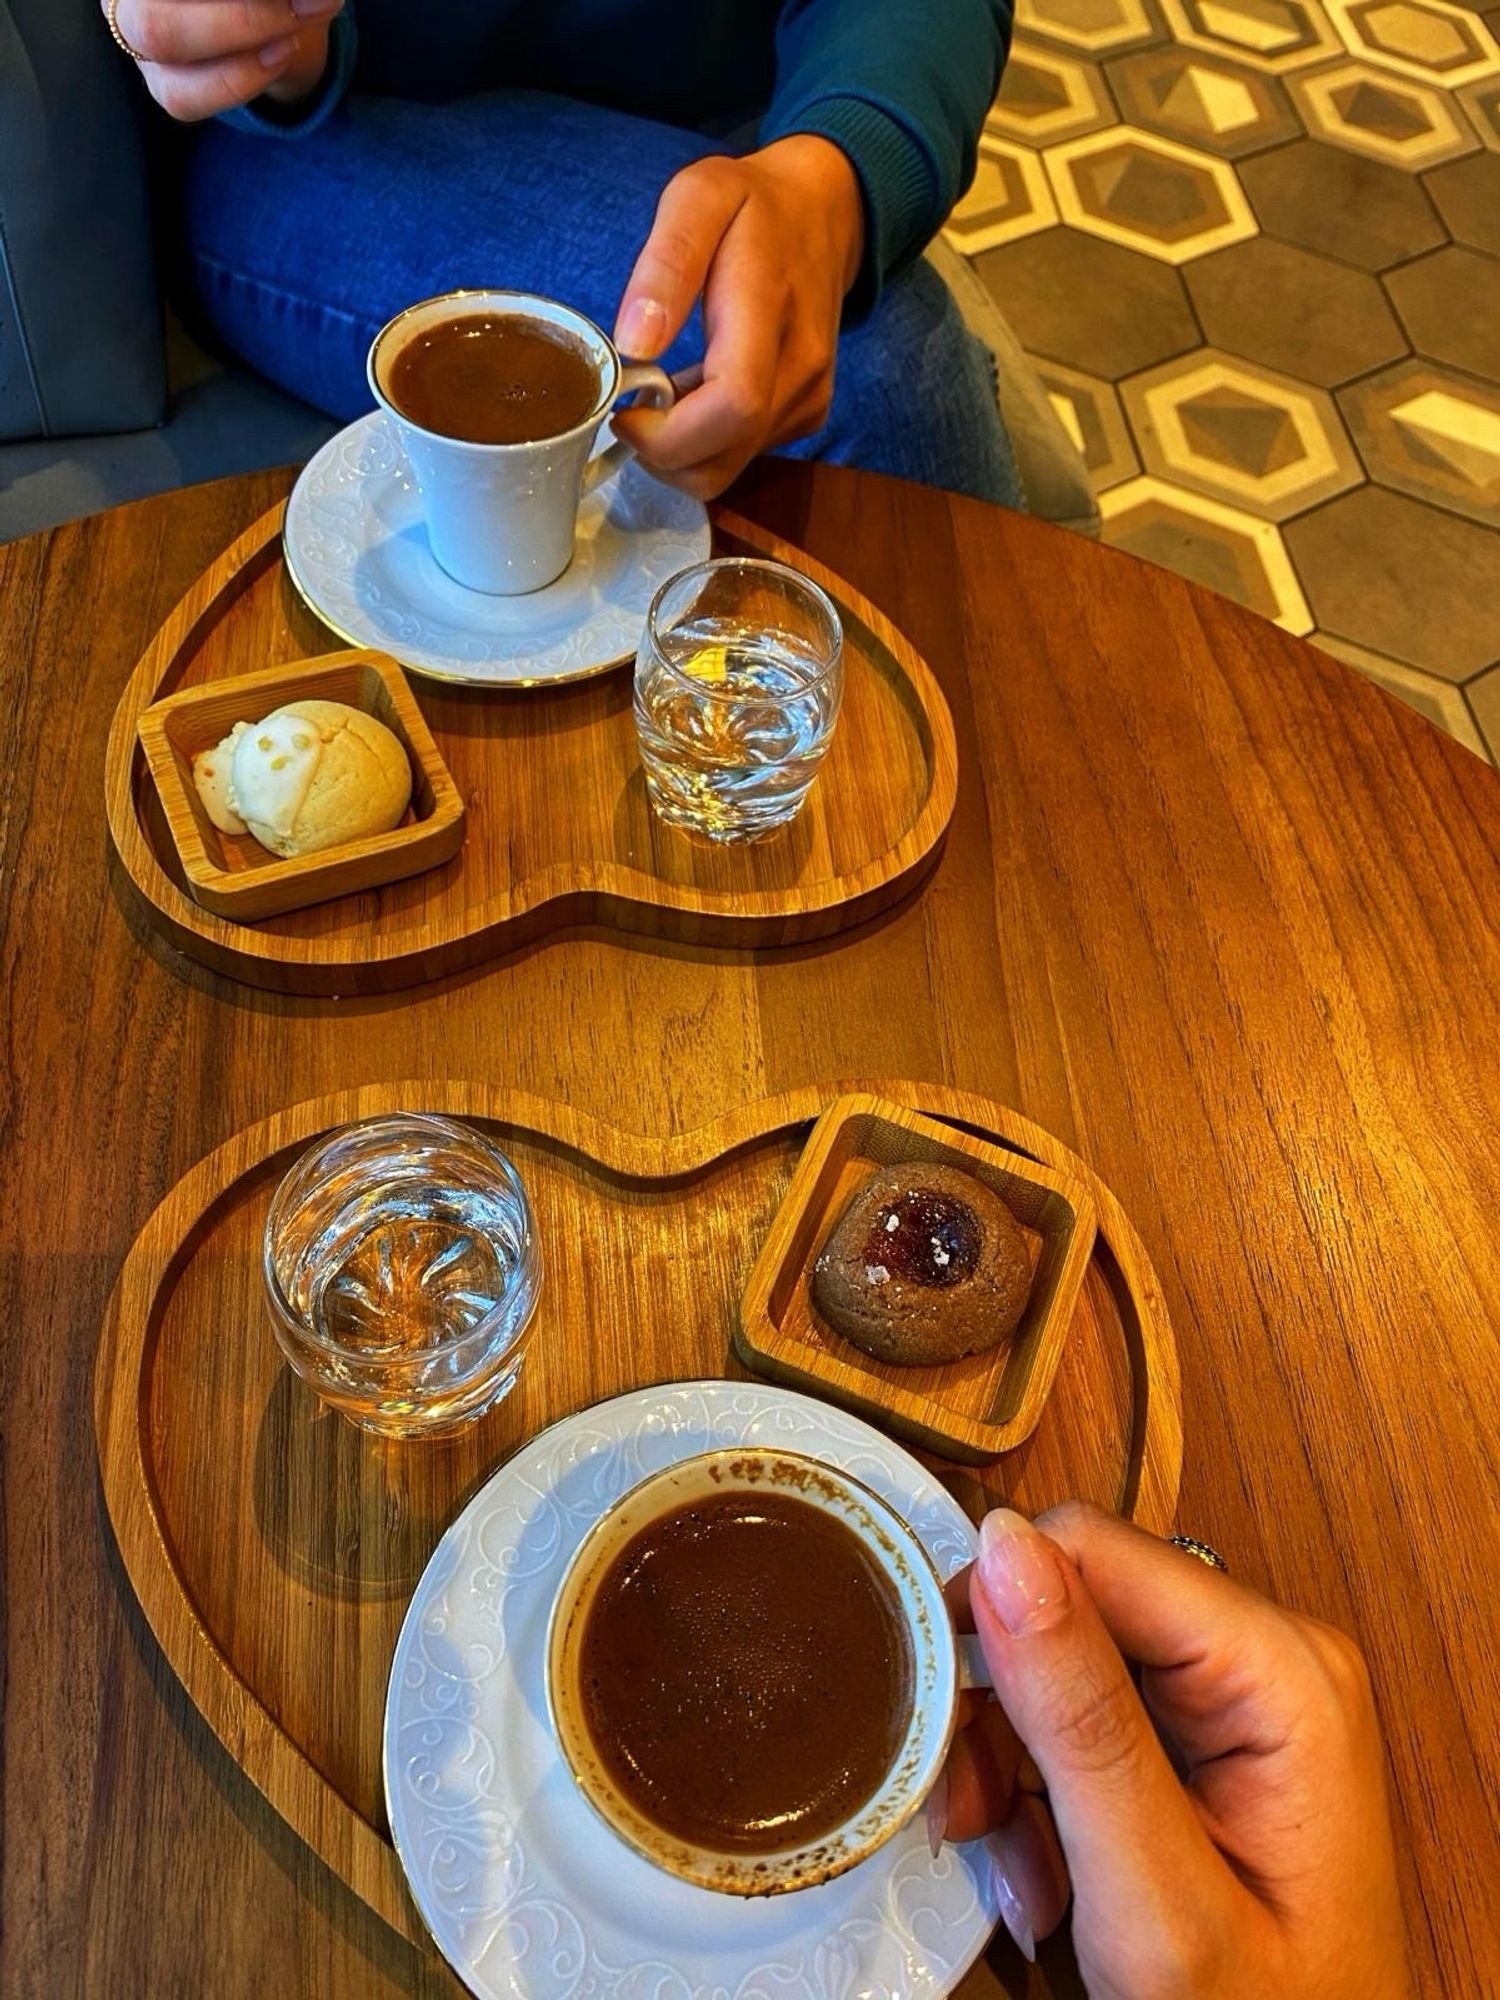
[
  {"x": 772, "y": 242},
  {"x": 201, "y": 57},
  {"x": 1267, "y": 1868}
]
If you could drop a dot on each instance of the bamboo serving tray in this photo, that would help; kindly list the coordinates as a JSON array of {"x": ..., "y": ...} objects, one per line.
[
  {"x": 559, "y": 831},
  {"x": 273, "y": 1546}
]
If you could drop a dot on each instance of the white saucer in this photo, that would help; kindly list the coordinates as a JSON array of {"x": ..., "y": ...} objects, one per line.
[
  {"x": 527, "y": 1894},
  {"x": 356, "y": 548}
]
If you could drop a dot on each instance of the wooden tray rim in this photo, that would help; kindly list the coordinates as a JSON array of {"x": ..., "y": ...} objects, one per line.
[
  {"x": 614, "y": 892},
  {"x": 362, "y": 1858}
]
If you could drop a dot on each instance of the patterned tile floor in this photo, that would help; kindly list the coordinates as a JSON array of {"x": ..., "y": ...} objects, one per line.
[{"x": 1254, "y": 249}]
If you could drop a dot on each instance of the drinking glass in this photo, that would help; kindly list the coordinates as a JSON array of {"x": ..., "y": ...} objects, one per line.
[
  {"x": 738, "y": 684},
  {"x": 402, "y": 1268}
]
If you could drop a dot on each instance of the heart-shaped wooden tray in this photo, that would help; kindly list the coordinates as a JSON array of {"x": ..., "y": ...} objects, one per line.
[
  {"x": 559, "y": 831},
  {"x": 274, "y": 1547}
]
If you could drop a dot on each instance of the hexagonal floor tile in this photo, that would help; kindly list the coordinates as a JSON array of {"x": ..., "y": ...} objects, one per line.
[
  {"x": 1325, "y": 198},
  {"x": 1240, "y": 434},
  {"x": 1484, "y": 699},
  {"x": 1429, "y": 696},
  {"x": 1199, "y": 538},
  {"x": 1369, "y": 111},
  {"x": 1095, "y": 25},
  {"x": 1430, "y": 433},
  {"x": 1450, "y": 305},
  {"x": 1088, "y": 304},
  {"x": 1267, "y": 34},
  {"x": 1429, "y": 597},
  {"x": 1425, "y": 39},
  {"x": 1305, "y": 316},
  {"x": 1467, "y": 193},
  {"x": 1482, "y": 103},
  {"x": 1220, "y": 107},
  {"x": 1009, "y": 198},
  {"x": 1149, "y": 194},
  {"x": 1046, "y": 96},
  {"x": 1089, "y": 411}
]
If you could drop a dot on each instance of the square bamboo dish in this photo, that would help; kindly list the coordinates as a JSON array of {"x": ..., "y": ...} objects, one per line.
[
  {"x": 973, "y": 1409},
  {"x": 232, "y": 874}
]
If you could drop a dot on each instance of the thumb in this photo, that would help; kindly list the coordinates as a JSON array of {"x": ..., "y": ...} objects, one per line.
[{"x": 1136, "y": 1849}]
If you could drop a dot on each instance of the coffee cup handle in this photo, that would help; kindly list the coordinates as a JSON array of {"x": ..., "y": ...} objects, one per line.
[
  {"x": 973, "y": 1668},
  {"x": 657, "y": 391}
]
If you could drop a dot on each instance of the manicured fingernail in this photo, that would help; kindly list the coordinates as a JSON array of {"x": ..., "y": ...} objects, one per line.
[
  {"x": 642, "y": 328},
  {"x": 1012, "y": 1909},
  {"x": 277, "y": 52},
  {"x": 1019, "y": 1574},
  {"x": 937, "y": 1814}
]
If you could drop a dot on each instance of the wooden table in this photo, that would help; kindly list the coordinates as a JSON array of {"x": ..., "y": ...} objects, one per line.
[{"x": 1213, "y": 909}]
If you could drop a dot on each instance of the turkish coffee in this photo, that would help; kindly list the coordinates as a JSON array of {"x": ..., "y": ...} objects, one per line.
[
  {"x": 747, "y": 1674},
  {"x": 494, "y": 378}
]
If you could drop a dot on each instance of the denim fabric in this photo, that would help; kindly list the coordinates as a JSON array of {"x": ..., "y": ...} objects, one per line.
[
  {"x": 298, "y": 255},
  {"x": 904, "y": 90}
]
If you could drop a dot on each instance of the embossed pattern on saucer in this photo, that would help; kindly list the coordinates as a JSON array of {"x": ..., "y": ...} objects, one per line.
[
  {"x": 526, "y": 1893},
  {"x": 356, "y": 548}
]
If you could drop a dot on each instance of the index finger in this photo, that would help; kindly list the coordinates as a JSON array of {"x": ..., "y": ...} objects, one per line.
[
  {"x": 695, "y": 209},
  {"x": 730, "y": 417}
]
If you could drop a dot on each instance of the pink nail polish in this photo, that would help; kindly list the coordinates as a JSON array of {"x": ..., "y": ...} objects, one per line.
[
  {"x": 1019, "y": 1574},
  {"x": 1012, "y": 1909}
]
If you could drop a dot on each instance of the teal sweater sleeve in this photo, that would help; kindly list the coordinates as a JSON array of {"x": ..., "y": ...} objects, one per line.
[
  {"x": 902, "y": 87},
  {"x": 271, "y": 120}
]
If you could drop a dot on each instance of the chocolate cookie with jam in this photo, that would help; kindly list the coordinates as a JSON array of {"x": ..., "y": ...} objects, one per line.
[{"x": 925, "y": 1265}]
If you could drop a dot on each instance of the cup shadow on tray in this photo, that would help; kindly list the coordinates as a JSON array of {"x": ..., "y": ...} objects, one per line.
[
  {"x": 320, "y": 1483},
  {"x": 569, "y": 708}
]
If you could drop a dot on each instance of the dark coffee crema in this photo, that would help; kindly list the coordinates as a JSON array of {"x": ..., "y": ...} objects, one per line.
[
  {"x": 746, "y": 1672},
  {"x": 494, "y": 378},
  {"x": 926, "y": 1238}
]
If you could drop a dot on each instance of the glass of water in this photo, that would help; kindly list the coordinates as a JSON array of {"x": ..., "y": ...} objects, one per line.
[
  {"x": 738, "y": 683},
  {"x": 402, "y": 1269}
]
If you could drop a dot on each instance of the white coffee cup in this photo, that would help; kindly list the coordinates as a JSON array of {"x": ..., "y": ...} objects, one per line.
[
  {"x": 941, "y": 1665},
  {"x": 503, "y": 518}
]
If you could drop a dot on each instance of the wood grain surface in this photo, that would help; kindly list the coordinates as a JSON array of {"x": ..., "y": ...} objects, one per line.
[
  {"x": 274, "y": 1548},
  {"x": 559, "y": 828},
  {"x": 1213, "y": 909}
]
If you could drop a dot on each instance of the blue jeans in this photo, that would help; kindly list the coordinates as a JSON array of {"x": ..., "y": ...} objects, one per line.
[{"x": 300, "y": 249}]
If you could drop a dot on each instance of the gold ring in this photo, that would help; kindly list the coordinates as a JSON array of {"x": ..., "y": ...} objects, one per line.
[
  {"x": 1190, "y": 1545},
  {"x": 120, "y": 42}
]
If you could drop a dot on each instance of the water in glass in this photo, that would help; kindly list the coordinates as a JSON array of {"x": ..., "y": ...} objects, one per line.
[
  {"x": 735, "y": 716},
  {"x": 403, "y": 1270}
]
